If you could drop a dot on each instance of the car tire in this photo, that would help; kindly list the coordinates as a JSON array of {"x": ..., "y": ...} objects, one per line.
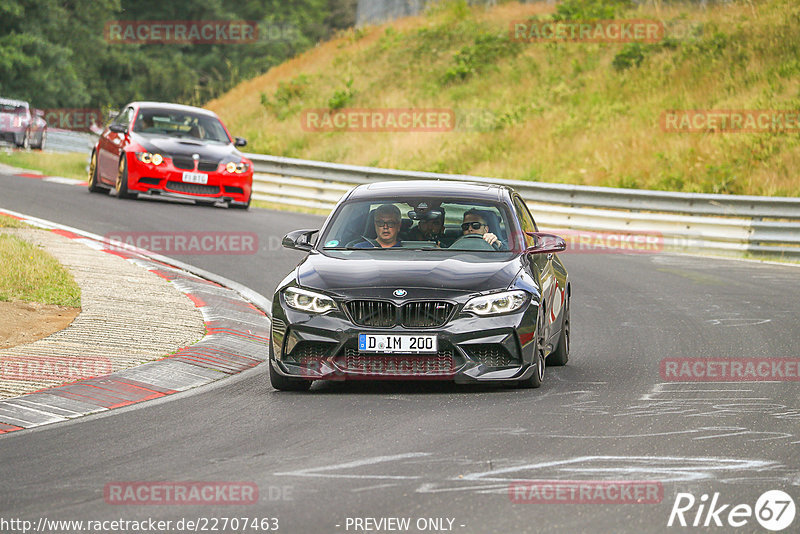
[
  {"x": 560, "y": 356},
  {"x": 94, "y": 183},
  {"x": 42, "y": 140},
  {"x": 122, "y": 179},
  {"x": 285, "y": 383},
  {"x": 535, "y": 380},
  {"x": 26, "y": 141}
]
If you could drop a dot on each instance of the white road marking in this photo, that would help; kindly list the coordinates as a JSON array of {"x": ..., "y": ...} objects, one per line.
[{"x": 320, "y": 471}]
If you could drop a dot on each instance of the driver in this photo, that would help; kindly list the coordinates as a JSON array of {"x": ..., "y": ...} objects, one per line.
[
  {"x": 387, "y": 226},
  {"x": 475, "y": 223},
  {"x": 144, "y": 123}
]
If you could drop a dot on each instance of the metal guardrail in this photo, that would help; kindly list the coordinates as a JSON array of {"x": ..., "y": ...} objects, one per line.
[{"x": 687, "y": 221}]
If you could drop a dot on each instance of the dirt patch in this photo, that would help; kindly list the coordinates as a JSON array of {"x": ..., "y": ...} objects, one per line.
[{"x": 23, "y": 322}]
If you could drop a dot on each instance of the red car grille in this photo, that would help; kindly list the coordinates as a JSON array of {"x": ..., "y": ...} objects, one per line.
[{"x": 195, "y": 189}]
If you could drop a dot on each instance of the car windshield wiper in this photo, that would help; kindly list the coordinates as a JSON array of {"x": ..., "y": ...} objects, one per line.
[{"x": 363, "y": 248}]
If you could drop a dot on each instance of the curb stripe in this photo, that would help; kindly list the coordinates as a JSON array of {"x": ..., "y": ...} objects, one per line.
[{"x": 234, "y": 342}]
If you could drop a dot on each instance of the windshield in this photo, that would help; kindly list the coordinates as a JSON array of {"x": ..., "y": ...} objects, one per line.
[
  {"x": 432, "y": 225},
  {"x": 180, "y": 124},
  {"x": 10, "y": 108}
]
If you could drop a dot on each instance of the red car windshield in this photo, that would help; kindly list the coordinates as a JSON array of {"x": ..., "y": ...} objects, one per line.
[{"x": 180, "y": 124}]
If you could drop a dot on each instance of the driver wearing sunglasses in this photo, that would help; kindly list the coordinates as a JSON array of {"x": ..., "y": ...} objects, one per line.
[
  {"x": 387, "y": 227},
  {"x": 474, "y": 223}
]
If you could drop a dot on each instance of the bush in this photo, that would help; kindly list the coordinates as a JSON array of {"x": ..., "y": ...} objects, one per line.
[
  {"x": 281, "y": 102},
  {"x": 342, "y": 97},
  {"x": 477, "y": 57},
  {"x": 631, "y": 55},
  {"x": 590, "y": 9}
]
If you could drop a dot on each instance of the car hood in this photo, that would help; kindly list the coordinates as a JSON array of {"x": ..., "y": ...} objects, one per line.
[
  {"x": 173, "y": 146},
  {"x": 466, "y": 273}
]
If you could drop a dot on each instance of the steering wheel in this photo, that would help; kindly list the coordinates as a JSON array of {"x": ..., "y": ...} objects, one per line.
[
  {"x": 483, "y": 245},
  {"x": 364, "y": 238}
]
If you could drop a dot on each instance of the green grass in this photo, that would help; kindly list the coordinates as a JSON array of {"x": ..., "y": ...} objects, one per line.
[
  {"x": 49, "y": 163},
  {"x": 287, "y": 207},
  {"x": 566, "y": 112},
  {"x": 11, "y": 222},
  {"x": 30, "y": 274}
]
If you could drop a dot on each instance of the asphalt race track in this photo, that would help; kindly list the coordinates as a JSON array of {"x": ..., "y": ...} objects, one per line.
[{"x": 428, "y": 450}]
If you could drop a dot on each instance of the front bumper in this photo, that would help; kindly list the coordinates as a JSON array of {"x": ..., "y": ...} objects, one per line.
[
  {"x": 471, "y": 349},
  {"x": 13, "y": 135},
  {"x": 167, "y": 180}
]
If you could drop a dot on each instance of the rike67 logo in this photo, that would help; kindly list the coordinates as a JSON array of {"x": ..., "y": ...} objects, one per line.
[{"x": 774, "y": 510}]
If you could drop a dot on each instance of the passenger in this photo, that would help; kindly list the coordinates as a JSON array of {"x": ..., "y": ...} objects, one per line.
[
  {"x": 428, "y": 229},
  {"x": 475, "y": 223},
  {"x": 387, "y": 226}
]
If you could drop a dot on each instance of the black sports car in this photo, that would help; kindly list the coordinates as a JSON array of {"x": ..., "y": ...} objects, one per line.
[{"x": 422, "y": 280}]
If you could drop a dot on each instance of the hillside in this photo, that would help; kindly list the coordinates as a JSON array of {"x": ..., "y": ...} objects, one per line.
[{"x": 570, "y": 112}]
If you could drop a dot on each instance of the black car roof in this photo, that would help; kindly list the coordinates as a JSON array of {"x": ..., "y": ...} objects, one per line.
[
  {"x": 176, "y": 107},
  {"x": 446, "y": 188}
]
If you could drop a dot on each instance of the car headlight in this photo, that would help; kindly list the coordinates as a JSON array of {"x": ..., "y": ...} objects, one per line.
[
  {"x": 307, "y": 301},
  {"x": 236, "y": 168},
  {"x": 497, "y": 303},
  {"x": 147, "y": 157}
]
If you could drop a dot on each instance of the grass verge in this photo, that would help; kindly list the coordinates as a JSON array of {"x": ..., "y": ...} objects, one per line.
[
  {"x": 30, "y": 274},
  {"x": 68, "y": 165},
  {"x": 287, "y": 207},
  {"x": 11, "y": 222}
]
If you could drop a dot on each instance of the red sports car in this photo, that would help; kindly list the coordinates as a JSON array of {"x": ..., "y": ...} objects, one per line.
[{"x": 154, "y": 148}]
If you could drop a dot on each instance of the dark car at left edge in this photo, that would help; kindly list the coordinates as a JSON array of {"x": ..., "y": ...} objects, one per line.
[{"x": 21, "y": 125}]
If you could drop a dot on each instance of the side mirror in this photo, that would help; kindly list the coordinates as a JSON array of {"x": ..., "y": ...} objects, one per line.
[
  {"x": 546, "y": 243},
  {"x": 299, "y": 240},
  {"x": 239, "y": 141},
  {"x": 118, "y": 128}
]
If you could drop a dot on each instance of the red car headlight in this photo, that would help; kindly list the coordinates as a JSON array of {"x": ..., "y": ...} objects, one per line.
[
  {"x": 236, "y": 168},
  {"x": 147, "y": 157}
]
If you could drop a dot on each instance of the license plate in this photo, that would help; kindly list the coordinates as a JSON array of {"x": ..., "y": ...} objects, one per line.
[
  {"x": 195, "y": 177},
  {"x": 389, "y": 343}
]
